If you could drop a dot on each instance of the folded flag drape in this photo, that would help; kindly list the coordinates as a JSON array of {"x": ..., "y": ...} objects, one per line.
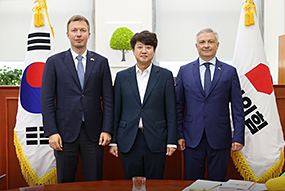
[
  {"x": 262, "y": 157},
  {"x": 35, "y": 156}
]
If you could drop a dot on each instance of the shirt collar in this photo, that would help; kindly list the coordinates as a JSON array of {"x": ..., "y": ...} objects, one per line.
[
  {"x": 148, "y": 69},
  {"x": 74, "y": 54},
  {"x": 213, "y": 61}
]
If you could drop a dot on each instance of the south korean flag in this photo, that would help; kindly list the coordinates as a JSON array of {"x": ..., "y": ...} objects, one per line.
[{"x": 35, "y": 156}]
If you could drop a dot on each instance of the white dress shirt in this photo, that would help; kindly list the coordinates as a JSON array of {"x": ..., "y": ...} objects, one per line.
[
  {"x": 74, "y": 55},
  {"x": 142, "y": 80},
  {"x": 203, "y": 69}
]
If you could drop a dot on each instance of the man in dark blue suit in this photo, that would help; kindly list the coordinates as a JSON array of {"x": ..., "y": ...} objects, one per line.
[
  {"x": 206, "y": 89},
  {"x": 74, "y": 83},
  {"x": 145, "y": 128}
]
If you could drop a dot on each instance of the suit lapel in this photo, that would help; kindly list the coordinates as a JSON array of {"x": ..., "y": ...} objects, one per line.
[
  {"x": 133, "y": 82},
  {"x": 90, "y": 63},
  {"x": 153, "y": 77},
  {"x": 69, "y": 62},
  {"x": 217, "y": 74},
  {"x": 197, "y": 77}
]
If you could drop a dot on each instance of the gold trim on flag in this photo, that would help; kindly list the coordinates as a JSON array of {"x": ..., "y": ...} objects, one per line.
[
  {"x": 29, "y": 174},
  {"x": 246, "y": 172}
]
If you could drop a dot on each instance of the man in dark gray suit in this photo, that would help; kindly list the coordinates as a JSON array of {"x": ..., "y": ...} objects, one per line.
[
  {"x": 74, "y": 83},
  {"x": 145, "y": 112}
]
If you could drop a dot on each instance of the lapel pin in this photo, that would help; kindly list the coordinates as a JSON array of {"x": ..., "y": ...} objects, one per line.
[
  {"x": 92, "y": 59},
  {"x": 219, "y": 68}
]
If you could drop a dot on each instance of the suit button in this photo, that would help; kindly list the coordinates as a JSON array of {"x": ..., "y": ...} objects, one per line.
[
  {"x": 80, "y": 110},
  {"x": 82, "y": 95},
  {"x": 206, "y": 102},
  {"x": 204, "y": 117},
  {"x": 141, "y": 109}
]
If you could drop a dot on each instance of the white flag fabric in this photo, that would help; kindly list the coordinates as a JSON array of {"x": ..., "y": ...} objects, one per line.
[
  {"x": 262, "y": 157},
  {"x": 35, "y": 156}
]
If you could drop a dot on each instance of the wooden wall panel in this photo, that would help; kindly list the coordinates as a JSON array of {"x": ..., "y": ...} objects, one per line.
[
  {"x": 174, "y": 167},
  {"x": 281, "y": 60},
  {"x": 280, "y": 101},
  {"x": 9, "y": 164},
  {"x": 112, "y": 167}
]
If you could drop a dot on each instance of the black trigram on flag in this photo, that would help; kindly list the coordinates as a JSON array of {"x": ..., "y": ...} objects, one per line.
[
  {"x": 35, "y": 136},
  {"x": 39, "y": 41}
]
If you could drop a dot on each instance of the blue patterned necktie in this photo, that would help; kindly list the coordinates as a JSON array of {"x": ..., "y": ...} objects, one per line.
[
  {"x": 80, "y": 70},
  {"x": 207, "y": 78},
  {"x": 80, "y": 73}
]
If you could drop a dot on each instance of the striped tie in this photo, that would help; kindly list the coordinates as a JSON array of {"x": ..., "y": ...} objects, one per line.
[
  {"x": 80, "y": 70},
  {"x": 207, "y": 78}
]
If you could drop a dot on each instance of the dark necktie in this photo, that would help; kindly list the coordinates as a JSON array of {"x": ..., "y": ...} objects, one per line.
[
  {"x": 207, "y": 77},
  {"x": 80, "y": 70}
]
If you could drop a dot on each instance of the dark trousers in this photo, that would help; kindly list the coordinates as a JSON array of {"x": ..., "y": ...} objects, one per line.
[
  {"x": 217, "y": 161},
  {"x": 91, "y": 155},
  {"x": 140, "y": 161}
]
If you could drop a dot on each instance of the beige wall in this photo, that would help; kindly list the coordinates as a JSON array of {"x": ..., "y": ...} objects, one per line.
[{"x": 16, "y": 15}]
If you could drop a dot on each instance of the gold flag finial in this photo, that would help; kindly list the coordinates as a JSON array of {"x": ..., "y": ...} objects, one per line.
[
  {"x": 38, "y": 16},
  {"x": 249, "y": 15}
]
